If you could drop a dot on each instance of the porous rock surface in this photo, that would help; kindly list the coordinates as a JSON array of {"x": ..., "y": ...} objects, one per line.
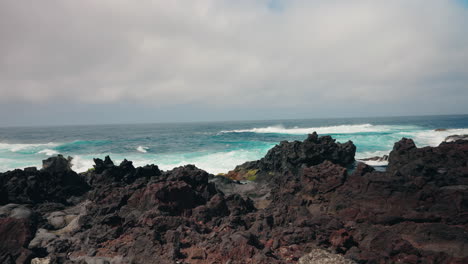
[{"x": 312, "y": 199}]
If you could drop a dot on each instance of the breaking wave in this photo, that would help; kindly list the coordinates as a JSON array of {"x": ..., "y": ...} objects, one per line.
[
  {"x": 340, "y": 129},
  {"x": 48, "y": 152},
  {"x": 142, "y": 149},
  {"x": 20, "y": 147},
  {"x": 432, "y": 137}
]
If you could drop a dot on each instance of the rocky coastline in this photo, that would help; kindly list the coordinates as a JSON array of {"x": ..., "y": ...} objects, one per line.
[{"x": 304, "y": 202}]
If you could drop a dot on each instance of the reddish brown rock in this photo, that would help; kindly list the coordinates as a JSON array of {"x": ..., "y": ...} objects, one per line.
[
  {"x": 15, "y": 235},
  {"x": 415, "y": 212}
]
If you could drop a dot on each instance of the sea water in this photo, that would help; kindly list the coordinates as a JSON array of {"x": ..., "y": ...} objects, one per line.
[{"x": 216, "y": 147}]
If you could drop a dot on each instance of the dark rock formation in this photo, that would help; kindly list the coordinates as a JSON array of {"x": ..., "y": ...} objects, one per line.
[
  {"x": 308, "y": 201},
  {"x": 292, "y": 156},
  {"x": 54, "y": 182},
  {"x": 444, "y": 165}
]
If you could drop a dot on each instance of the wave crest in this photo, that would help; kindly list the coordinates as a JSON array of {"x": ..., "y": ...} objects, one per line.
[
  {"x": 142, "y": 149},
  {"x": 432, "y": 137},
  {"x": 48, "y": 152},
  {"x": 340, "y": 129},
  {"x": 19, "y": 147}
]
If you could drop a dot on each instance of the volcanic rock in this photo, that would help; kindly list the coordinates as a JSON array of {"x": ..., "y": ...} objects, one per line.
[
  {"x": 292, "y": 156},
  {"x": 54, "y": 182},
  {"x": 310, "y": 206}
]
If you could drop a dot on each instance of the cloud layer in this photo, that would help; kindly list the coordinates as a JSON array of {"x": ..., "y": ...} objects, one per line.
[{"x": 220, "y": 53}]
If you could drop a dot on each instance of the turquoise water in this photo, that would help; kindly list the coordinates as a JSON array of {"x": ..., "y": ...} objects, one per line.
[{"x": 216, "y": 146}]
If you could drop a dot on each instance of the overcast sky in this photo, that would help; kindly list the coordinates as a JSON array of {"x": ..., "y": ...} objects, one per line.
[{"x": 75, "y": 62}]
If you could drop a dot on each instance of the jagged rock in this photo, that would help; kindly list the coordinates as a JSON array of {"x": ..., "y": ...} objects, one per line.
[
  {"x": 291, "y": 156},
  {"x": 105, "y": 172},
  {"x": 307, "y": 198},
  {"x": 56, "y": 164},
  {"x": 103, "y": 165},
  {"x": 444, "y": 165},
  {"x": 55, "y": 182}
]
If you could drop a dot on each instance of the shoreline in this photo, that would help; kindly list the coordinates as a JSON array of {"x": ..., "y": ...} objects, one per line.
[{"x": 299, "y": 201}]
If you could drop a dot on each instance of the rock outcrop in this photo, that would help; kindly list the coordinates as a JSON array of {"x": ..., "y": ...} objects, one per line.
[
  {"x": 311, "y": 205},
  {"x": 292, "y": 156},
  {"x": 54, "y": 182}
]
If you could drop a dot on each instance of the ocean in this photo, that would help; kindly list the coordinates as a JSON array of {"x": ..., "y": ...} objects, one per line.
[{"x": 216, "y": 147}]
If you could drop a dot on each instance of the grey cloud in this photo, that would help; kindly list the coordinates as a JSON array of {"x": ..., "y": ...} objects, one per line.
[{"x": 235, "y": 53}]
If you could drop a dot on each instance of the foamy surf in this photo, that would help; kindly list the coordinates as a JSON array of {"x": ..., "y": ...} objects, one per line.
[
  {"x": 370, "y": 154},
  {"x": 19, "y": 147},
  {"x": 142, "y": 149},
  {"x": 173, "y": 145},
  {"x": 340, "y": 129},
  {"x": 432, "y": 137},
  {"x": 48, "y": 152}
]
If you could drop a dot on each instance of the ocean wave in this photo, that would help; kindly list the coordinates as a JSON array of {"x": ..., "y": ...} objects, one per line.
[
  {"x": 375, "y": 162},
  {"x": 142, "y": 149},
  {"x": 19, "y": 147},
  {"x": 82, "y": 144},
  {"x": 340, "y": 129},
  {"x": 82, "y": 164},
  {"x": 369, "y": 154},
  {"x": 48, "y": 152},
  {"x": 217, "y": 162},
  {"x": 432, "y": 137}
]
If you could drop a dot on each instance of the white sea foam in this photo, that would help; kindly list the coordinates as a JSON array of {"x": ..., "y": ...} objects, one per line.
[
  {"x": 218, "y": 162},
  {"x": 18, "y": 147},
  {"x": 432, "y": 137},
  {"x": 142, "y": 149},
  {"x": 370, "y": 154},
  {"x": 48, "y": 152},
  {"x": 82, "y": 164},
  {"x": 214, "y": 162},
  {"x": 341, "y": 129}
]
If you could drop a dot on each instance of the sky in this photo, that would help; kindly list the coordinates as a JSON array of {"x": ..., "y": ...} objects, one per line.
[{"x": 115, "y": 61}]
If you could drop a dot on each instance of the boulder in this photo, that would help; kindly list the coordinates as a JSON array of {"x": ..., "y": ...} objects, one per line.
[{"x": 15, "y": 235}]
